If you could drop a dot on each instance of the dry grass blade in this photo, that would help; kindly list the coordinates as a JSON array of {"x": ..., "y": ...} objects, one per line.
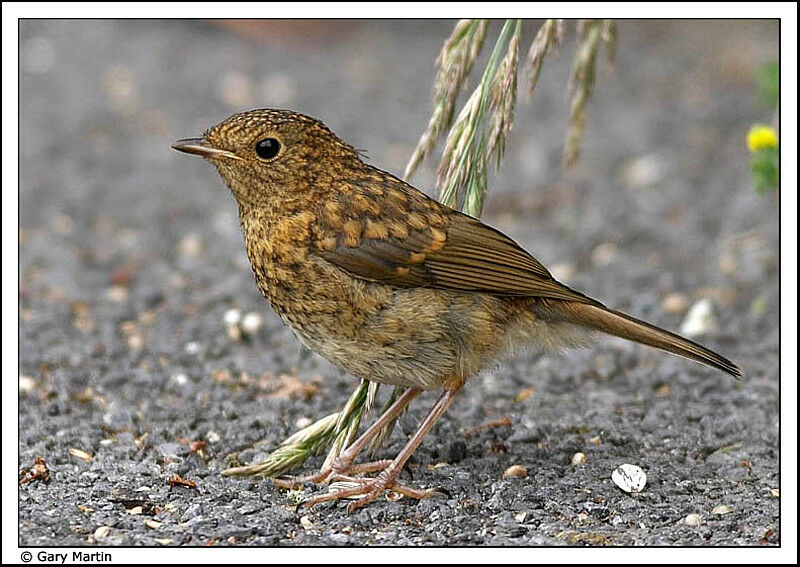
[
  {"x": 337, "y": 430},
  {"x": 582, "y": 83},
  {"x": 462, "y": 174},
  {"x": 547, "y": 39},
  {"x": 454, "y": 63},
  {"x": 293, "y": 451},
  {"x": 503, "y": 102},
  {"x": 349, "y": 421}
]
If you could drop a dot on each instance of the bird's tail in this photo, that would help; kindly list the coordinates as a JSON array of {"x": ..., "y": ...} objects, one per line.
[{"x": 600, "y": 318}]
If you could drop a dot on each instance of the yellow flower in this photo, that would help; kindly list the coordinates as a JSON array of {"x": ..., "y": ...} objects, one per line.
[{"x": 761, "y": 137}]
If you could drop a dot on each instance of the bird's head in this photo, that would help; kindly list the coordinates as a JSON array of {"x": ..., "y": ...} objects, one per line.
[{"x": 264, "y": 155}]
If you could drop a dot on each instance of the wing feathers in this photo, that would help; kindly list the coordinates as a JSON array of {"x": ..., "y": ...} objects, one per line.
[{"x": 471, "y": 257}]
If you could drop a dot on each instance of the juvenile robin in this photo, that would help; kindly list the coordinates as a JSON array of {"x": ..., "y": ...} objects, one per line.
[{"x": 389, "y": 284}]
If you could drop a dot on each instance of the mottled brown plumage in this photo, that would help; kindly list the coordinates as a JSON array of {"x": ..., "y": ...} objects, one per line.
[{"x": 386, "y": 282}]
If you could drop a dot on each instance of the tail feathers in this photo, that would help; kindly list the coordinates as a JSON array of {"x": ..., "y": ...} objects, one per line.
[{"x": 624, "y": 326}]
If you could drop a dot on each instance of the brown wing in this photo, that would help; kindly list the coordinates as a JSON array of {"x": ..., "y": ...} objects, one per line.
[{"x": 459, "y": 253}]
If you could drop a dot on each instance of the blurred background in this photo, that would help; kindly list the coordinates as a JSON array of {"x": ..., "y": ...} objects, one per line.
[{"x": 135, "y": 289}]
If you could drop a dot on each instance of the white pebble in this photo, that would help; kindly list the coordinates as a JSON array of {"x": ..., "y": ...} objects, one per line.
[
  {"x": 578, "y": 459},
  {"x": 692, "y": 520},
  {"x": 213, "y": 437},
  {"x": 629, "y": 478},
  {"x": 306, "y": 522},
  {"x": 192, "y": 347},
  {"x": 232, "y": 317},
  {"x": 26, "y": 384},
  {"x": 180, "y": 379},
  {"x": 700, "y": 319},
  {"x": 251, "y": 323},
  {"x": 722, "y": 509}
]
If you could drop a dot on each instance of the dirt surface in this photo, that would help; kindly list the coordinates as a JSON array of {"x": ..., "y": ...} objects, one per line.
[{"x": 131, "y": 256}]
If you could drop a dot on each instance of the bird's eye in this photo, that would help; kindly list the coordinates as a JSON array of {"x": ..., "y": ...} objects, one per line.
[{"x": 268, "y": 148}]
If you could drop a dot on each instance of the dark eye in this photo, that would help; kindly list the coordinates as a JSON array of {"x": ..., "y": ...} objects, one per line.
[{"x": 268, "y": 148}]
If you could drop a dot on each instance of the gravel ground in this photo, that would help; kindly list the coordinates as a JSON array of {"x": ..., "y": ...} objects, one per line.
[{"x": 131, "y": 256}]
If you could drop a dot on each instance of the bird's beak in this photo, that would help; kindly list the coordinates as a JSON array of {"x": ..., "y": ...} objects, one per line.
[{"x": 201, "y": 147}]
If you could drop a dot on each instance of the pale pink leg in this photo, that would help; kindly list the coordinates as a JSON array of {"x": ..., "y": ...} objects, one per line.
[
  {"x": 344, "y": 464},
  {"x": 370, "y": 489}
]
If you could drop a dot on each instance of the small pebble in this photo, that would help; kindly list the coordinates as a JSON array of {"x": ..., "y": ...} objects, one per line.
[
  {"x": 692, "y": 520},
  {"x": 578, "y": 459},
  {"x": 644, "y": 171},
  {"x": 305, "y": 521},
  {"x": 524, "y": 394},
  {"x": 180, "y": 379},
  {"x": 232, "y": 317},
  {"x": 302, "y": 422},
  {"x": 604, "y": 254},
  {"x": 213, "y": 437},
  {"x": 80, "y": 454},
  {"x": 775, "y": 492},
  {"x": 234, "y": 332},
  {"x": 629, "y": 478},
  {"x": 700, "y": 319},
  {"x": 251, "y": 323},
  {"x": 674, "y": 303},
  {"x": 26, "y": 384},
  {"x": 152, "y": 524},
  {"x": 393, "y": 496},
  {"x": 102, "y": 532},
  {"x": 192, "y": 347},
  {"x": 722, "y": 509},
  {"x": 190, "y": 246},
  {"x": 515, "y": 471},
  {"x": 117, "y": 294}
]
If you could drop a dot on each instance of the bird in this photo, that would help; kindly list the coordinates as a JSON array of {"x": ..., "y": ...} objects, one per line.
[{"x": 389, "y": 284}]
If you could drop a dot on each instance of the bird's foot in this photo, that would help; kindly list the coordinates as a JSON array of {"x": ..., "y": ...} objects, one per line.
[
  {"x": 340, "y": 469},
  {"x": 369, "y": 489}
]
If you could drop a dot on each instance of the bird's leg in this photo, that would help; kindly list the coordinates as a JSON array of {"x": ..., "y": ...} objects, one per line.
[
  {"x": 343, "y": 465},
  {"x": 370, "y": 489}
]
